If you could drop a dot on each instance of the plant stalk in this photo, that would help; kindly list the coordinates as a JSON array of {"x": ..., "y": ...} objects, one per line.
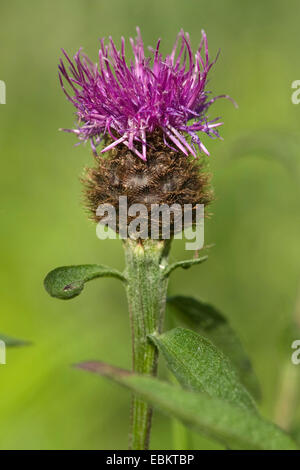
[{"x": 146, "y": 294}]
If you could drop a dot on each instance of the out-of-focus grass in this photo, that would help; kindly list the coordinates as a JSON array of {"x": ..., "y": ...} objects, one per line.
[{"x": 253, "y": 271}]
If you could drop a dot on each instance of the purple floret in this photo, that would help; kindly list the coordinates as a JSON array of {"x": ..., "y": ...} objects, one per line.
[{"x": 129, "y": 102}]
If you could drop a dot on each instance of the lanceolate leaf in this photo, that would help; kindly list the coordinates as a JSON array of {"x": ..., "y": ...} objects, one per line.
[
  {"x": 10, "y": 342},
  {"x": 234, "y": 427},
  {"x": 185, "y": 264},
  {"x": 68, "y": 281},
  {"x": 200, "y": 366},
  {"x": 208, "y": 321}
]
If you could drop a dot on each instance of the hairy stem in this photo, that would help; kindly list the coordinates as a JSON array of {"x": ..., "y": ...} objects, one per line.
[{"x": 146, "y": 294}]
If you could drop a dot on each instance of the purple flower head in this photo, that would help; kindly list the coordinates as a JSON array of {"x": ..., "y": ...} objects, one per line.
[{"x": 128, "y": 102}]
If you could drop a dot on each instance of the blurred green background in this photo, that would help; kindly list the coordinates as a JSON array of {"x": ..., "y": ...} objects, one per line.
[{"x": 253, "y": 271}]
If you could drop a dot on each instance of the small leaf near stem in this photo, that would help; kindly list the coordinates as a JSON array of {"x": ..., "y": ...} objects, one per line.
[
  {"x": 230, "y": 425},
  {"x": 67, "y": 282},
  {"x": 185, "y": 264}
]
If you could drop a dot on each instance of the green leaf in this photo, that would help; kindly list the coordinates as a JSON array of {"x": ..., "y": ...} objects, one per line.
[
  {"x": 208, "y": 321},
  {"x": 185, "y": 264},
  {"x": 232, "y": 426},
  {"x": 10, "y": 342},
  {"x": 68, "y": 281},
  {"x": 200, "y": 366}
]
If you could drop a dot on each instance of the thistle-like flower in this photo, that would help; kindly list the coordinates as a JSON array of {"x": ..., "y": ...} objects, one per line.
[
  {"x": 151, "y": 114},
  {"x": 126, "y": 104}
]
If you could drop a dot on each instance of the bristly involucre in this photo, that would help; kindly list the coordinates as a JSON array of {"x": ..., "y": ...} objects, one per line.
[
  {"x": 167, "y": 177},
  {"x": 127, "y": 102}
]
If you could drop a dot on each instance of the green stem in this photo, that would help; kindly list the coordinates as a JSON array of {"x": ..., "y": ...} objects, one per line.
[{"x": 146, "y": 294}]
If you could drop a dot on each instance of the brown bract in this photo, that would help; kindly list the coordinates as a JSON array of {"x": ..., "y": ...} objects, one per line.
[{"x": 167, "y": 177}]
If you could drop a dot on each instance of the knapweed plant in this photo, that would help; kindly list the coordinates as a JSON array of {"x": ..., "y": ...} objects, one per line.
[{"x": 149, "y": 116}]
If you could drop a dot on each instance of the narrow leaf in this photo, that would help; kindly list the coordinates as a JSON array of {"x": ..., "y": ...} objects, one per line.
[
  {"x": 185, "y": 264},
  {"x": 208, "y": 321},
  {"x": 200, "y": 366},
  {"x": 232, "y": 426},
  {"x": 68, "y": 281}
]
